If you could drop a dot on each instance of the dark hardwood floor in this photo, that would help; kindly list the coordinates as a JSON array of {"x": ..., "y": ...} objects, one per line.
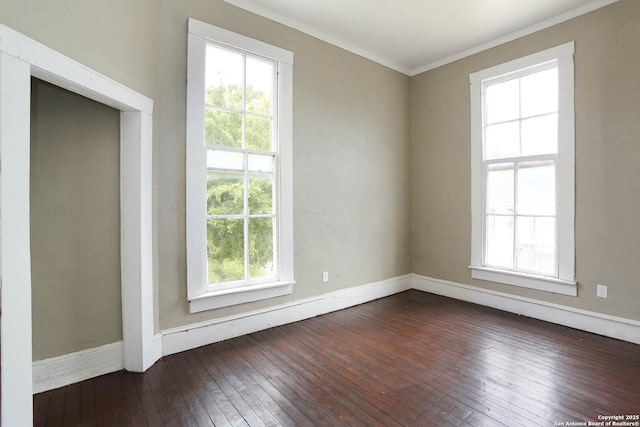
[{"x": 412, "y": 359}]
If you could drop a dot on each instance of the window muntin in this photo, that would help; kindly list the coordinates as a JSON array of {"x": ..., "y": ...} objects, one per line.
[{"x": 523, "y": 172}]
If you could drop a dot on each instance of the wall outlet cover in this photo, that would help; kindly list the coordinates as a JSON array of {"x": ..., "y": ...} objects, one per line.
[{"x": 601, "y": 291}]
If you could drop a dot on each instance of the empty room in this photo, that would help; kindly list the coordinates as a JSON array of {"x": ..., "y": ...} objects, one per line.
[{"x": 251, "y": 212}]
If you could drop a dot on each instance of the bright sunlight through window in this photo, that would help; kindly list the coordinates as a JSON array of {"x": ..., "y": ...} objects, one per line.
[
  {"x": 241, "y": 151},
  {"x": 520, "y": 147}
]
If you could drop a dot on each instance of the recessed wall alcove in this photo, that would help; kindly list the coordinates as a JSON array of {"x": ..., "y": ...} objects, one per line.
[
  {"x": 74, "y": 223},
  {"x": 22, "y": 58}
]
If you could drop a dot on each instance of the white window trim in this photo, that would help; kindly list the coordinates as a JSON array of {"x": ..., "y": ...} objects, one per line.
[
  {"x": 200, "y": 297},
  {"x": 565, "y": 282}
]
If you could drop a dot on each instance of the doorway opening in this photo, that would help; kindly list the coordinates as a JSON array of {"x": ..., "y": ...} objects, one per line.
[
  {"x": 22, "y": 58},
  {"x": 75, "y": 222}
]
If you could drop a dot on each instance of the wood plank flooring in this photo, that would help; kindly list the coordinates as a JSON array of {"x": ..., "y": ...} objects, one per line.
[{"x": 412, "y": 359}]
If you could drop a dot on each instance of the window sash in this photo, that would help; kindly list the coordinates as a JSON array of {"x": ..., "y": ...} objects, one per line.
[
  {"x": 516, "y": 164},
  {"x": 201, "y": 295},
  {"x": 246, "y": 215}
]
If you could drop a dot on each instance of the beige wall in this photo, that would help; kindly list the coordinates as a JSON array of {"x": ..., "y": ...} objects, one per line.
[
  {"x": 351, "y": 144},
  {"x": 370, "y": 202},
  {"x": 75, "y": 222},
  {"x": 607, "y": 70}
]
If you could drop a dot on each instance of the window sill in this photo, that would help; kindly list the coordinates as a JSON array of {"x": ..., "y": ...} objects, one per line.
[
  {"x": 239, "y": 295},
  {"x": 541, "y": 283}
]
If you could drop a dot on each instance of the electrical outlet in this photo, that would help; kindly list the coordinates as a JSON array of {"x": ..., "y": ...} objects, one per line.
[
  {"x": 325, "y": 276},
  {"x": 601, "y": 291}
]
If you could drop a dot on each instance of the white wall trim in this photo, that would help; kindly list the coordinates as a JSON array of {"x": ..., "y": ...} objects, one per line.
[
  {"x": 60, "y": 371},
  {"x": 579, "y": 11},
  {"x": 55, "y": 372},
  {"x": 274, "y": 16},
  {"x": 157, "y": 345},
  {"x": 20, "y": 59},
  {"x": 15, "y": 252},
  {"x": 602, "y": 324},
  {"x": 336, "y": 41},
  {"x": 198, "y": 334}
]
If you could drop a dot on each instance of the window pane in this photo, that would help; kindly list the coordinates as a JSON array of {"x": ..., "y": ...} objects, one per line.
[
  {"x": 540, "y": 93},
  {"x": 536, "y": 188},
  {"x": 260, "y": 163},
  {"x": 261, "y": 259},
  {"x": 535, "y": 246},
  {"x": 259, "y": 86},
  {"x": 258, "y": 133},
  {"x": 225, "y": 250},
  {"x": 502, "y": 140},
  {"x": 500, "y": 189},
  {"x": 223, "y": 78},
  {"x": 225, "y": 193},
  {"x": 499, "y": 241},
  {"x": 502, "y": 101},
  {"x": 227, "y": 160},
  {"x": 222, "y": 128},
  {"x": 260, "y": 193},
  {"x": 540, "y": 135}
]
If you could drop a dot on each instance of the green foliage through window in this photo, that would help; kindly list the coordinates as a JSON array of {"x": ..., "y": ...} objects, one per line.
[
  {"x": 228, "y": 217},
  {"x": 223, "y": 126}
]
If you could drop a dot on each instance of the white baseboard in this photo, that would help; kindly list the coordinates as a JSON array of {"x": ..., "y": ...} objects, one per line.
[
  {"x": 56, "y": 372},
  {"x": 59, "y": 371},
  {"x": 196, "y": 335},
  {"x": 602, "y": 324},
  {"x": 157, "y": 346}
]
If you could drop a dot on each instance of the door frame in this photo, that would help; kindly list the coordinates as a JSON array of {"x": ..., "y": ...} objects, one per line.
[{"x": 20, "y": 59}]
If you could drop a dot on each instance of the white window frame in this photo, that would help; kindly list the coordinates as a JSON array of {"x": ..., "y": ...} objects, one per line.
[
  {"x": 201, "y": 295},
  {"x": 564, "y": 282}
]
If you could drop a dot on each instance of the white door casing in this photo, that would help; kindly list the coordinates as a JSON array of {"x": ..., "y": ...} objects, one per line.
[{"x": 20, "y": 59}]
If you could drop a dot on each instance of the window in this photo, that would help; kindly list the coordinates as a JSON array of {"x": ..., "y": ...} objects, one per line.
[
  {"x": 239, "y": 169},
  {"x": 522, "y": 121}
]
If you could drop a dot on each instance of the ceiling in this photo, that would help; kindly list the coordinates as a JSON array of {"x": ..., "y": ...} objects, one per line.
[{"x": 412, "y": 36}]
